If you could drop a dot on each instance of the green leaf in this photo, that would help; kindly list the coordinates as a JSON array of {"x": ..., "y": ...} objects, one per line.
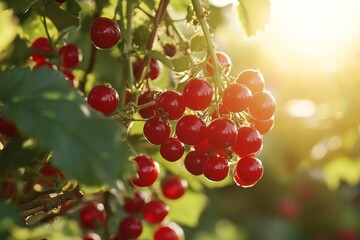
[
  {"x": 162, "y": 58},
  {"x": 254, "y": 15},
  {"x": 22, "y": 6},
  {"x": 62, "y": 20},
  {"x": 73, "y": 7},
  {"x": 198, "y": 43},
  {"x": 85, "y": 145},
  {"x": 181, "y": 64},
  {"x": 9, "y": 217}
]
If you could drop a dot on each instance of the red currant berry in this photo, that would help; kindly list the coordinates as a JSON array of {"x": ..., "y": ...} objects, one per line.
[
  {"x": 144, "y": 98},
  {"x": 236, "y": 97},
  {"x": 91, "y": 236},
  {"x": 51, "y": 172},
  {"x": 169, "y": 49},
  {"x": 223, "y": 112},
  {"x": 169, "y": 231},
  {"x": 249, "y": 169},
  {"x": 104, "y": 33},
  {"x": 92, "y": 216},
  {"x": 252, "y": 79},
  {"x": 71, "y": 56},
  {"x": 130, "y": 227},
  {"x": 155, "y": 211},
  {"x": 172, "y": 103},
  {"x": 191, "y": 129},
  {"x": 152, "y": 73},
  {"x": 262, "y": 106},
  {"x": 216, "y": 168},
  {"x": 7, "y": 128},
  {"x": 44, "y": 64},
  {"x": 197, "y": 94},
  {"x": 37, "y": 58},
  {"x": 263, "y": 126},
  {"x": 172, "y": 150},
  {"x": 41, "y": 45},
  {"x": 156, "y": 130},
  {"x": 70, "y": 77},
  {"x": 225, "y": 63},
  {"x": 194, "y": 162},
  {"x": 104, "y": 99},
  {"x": 221, "y": 133},
  {"x": 241, "y": 182},
  {"x": 249, "y": 142},
  {"x": 147, "y": 171},
  {"x": 174, "y": 187},
  {"x": 134, "y": 204}
]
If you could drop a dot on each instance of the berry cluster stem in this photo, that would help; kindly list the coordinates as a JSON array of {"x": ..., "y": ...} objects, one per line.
[{"x": 128, "y": 48}]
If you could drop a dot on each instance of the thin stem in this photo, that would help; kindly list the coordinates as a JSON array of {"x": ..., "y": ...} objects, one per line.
[
  {"x": 47, "y": 30},
  {"x": 128, "y": 46}
]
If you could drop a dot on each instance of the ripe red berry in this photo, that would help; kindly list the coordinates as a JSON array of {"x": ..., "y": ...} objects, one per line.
[
  {"x": 153, "y": 72},
  {"x": 241, "y": 182},
  {"x": 197, "y": 94},
  {"x": 221, "y": 133},
  {"x": 134, "y": 204},
  {"x": 7, "y": 128},
  {"x": 168, "y": 231},
  {"x": 156, "y": 130},
  {"x": 223, "y": 112},
  {"x": 92, "y": 215},
  {"x": 253, "y": 79},
  {"x": 103, "y": 98},
  {"x": 172, "y": 149},
  {"x": 194, "y": 162},
  {"x": 91, "y": 236},
  {"x": 71, "y": 56},
  {"x": 147, "y": 171},
  {"x": 263, "y": 126},
  {"x": 236, "y": 97},
  {"x": 104, "y": 33},
  {"x": 155, "y": 211},
  {"x": 216, "y": 168},
  {"x": 51, "y": 172},
  {"x": 249, "y": 142},
  {"x": 249, "y": 169},
  {"x": 41, "y": 45},
  {"x": 37, "y": 58},
  {"x": 174, "y": 187},
  {"x": 171, "y": 103},
  {"x": 224, "y": 61},
  {"x": 191, "y": 129},
  {"x": 130, "y": 227},
  {"x": 70, "y": 77},
  {"x": 144, "y": 98},
  {"x": 262, "y": 106}
]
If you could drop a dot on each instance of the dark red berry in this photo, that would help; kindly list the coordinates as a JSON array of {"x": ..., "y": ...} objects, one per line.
[
  {"x": 249, "y": 142},
  {"x": 197, "y": 94},
  {"x": 194, "y": 162},
  {"x": 134, "y": 204},
  {"x": 91, "y": 236},
  {"x": 236, "y": 97},
  {"x": 130, "y": 227},
  {"x": 263, "y": 126},
  {"x": 155, "y": 211},
  {"x": 173, "y": 187},
  {"x": 71, "y": 56},
  {"x": 8, "y": 189},
  {"x": 104, "y": 33},
  {"x": 262, "y": 106},
  {"x": 144, "y": 98},
  {"x": 169, "y": 49},
  {"x": 70, "y": 77},
  {"x": 221, "y": 133},
  {"x": 171, "y": 103},
  {"x": 168, "y": 231},
  {"x": 223, "y": 112},
  {"x": 41, "y": 45},
  {"x": 172, "y": 150},
  {"x": 7, "y": 128},
  {"x": 147, "y": 171},
  {"x": 37, "y": 58},
  {"x": 238, "y": 181},
  {"x": 216, "y": 168},
  {"x": 153, "y": 71},
  {"x": 92, "y": 216},
  {"x": 224, "y": 61},
  {"x": 60, "y": 1},
  {"x": 156, "y": 130},
  {"x": 252, "y": 79},
  {"x": 191, "y": 129},
  {"x": 103, "y": 98},
  {"x": 249, "y": 169},
  {"x": 51, "y": 172}
]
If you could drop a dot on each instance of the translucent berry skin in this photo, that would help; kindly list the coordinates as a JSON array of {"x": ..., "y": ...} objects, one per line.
[
  {"x": 155, "y": 211},
  {"x": 130, "y": 227},
  {"x": 238, "y": 181},
  {"x": 104, "y": 33},
  {"x": 252, "y": 79},
  {"x": 147, "y": 171},
  {"x": 153, "y": 71},
  {"x": 171, "y": 102},
  {"x": 263, "y": 126},
  {"x": 172, "y": 149},
  {"x": 144, "y": 98},
  {"x": 174, "y": 187},
  {"x": 249, "y": 142},
  {"x": 169, "y": 231},
  {"x": 134, "y": 204},
  {"x": 221, "y": 133},
  {"x": 92, "y": 216},
  {"x": 7, "y": 128},
  {"x": 197, "y": 94},
  {"x": 91, "y": 236},
  {"x": 156, "y": 130},
  {"x": 249, "y": 169},
  {"x": 262, "y": 106},
  {"x": 191, "y": 129},
  {"x": 225, "y": 63},
  {"x": 71, "y": 56},
  {"x": 194, "y": 162},
  {"x": 104, "y": 99},
  {"x": 236, "y": 97},
  {"x": 216, "y": 168},
  {"x": 41, "y": 45}
]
